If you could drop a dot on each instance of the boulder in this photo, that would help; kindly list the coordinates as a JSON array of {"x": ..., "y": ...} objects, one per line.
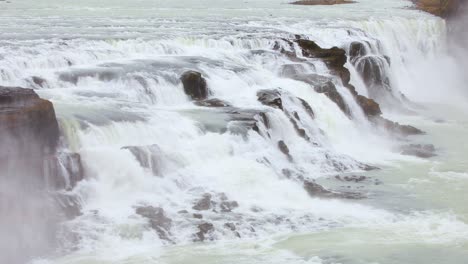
[
  {"x": 284, "y": 149},
  {"x": 26, "y": 119},
  {"x": 316, "y": 190},
  {"x": 356, "y": 50},
  {"x": 204, "y": 230},
  {"x": 194, "y": 85},
  {"x": 270, "y": 98},
  {"x": 205, "y": 203},
  {"x": 419, "y": 150},
  {"x": 395, "y": 127},
  {"x": 213, "y": 102},
  {"x": 228, "y": 206},
  {"x": 157, "y": 219},
  {"x": 372, "y": 71},
  {"x": 352, "y": 178},
  {"x": 369, "y": 107},
  {"x": 39, "y": 82},
  {"x": 335, "y": 58}
]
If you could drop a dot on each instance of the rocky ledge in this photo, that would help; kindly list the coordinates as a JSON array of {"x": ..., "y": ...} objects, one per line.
[
  {"x": 29, "y": 139},
  {"x": 322, "y": 2},
  {"x": 442, "y": 8},
  {"x": 26, "y": 118}
]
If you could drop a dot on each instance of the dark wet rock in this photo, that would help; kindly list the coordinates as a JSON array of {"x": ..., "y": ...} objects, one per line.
[
  {"x": 147, "y": 156},
  {"x": 270, "y": 98},
  {"x": 205, "y": 230},
  {"x": 39, "y": 82},
  {"x": 284, "y": 149},
  {"x": 373, "y": 73},
  {"x": 214, "y": 102},
  {"x": 335, "y": 58},
  {"x": 329, "y": 89},
  {"x": 316, "y": 190},
  {"x": 307, "y": 108},
  {"x": 204, "y": 203},
  {"x": 367, "y": 167},
  {"x": 183, "y": 212},
  {"x": 352, "y": 178},
  {"x": 419, "y": 150},
  {"x": 396, "y": 128},
  {"x": 194, "y": 85},
  {"x": 273, "y": 99},
  {"x": 292, "y": 174},
  {"x": 300, "y": 131},
  {"x": 324, "y": 85},
  {"x": 368, "y": 106},
  {"x": 264, "y": 119},
  {"x": 67, "y": 169},
  {"x": 357, "y": 50},
  {"x": 157, "y": 219},
  {"x": 232, "y": 227},
  {"x": 198, "y": 216},
  {"x": 228, "y": 206}
]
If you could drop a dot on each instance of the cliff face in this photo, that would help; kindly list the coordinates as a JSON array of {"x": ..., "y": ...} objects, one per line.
[
  {"x": 31, "y": 171},
  {"x": 442, "y": 8}
]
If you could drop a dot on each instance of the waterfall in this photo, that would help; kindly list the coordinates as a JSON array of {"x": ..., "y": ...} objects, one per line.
[{"x": 146, "y": 164}]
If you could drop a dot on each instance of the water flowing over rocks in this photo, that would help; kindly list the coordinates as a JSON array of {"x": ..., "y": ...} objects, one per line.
[
  {"x": 279, "y": 142},
  {"x": 35, "y": 175},
  {"x": 335, "y": 58},
  {"x": 157, "y": 219},
  {"x": 148, "y": 157},
  {"x": 205, "y": 230}
]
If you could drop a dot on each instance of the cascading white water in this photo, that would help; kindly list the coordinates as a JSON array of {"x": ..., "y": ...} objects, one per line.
[{"x": 115, "y": 86}]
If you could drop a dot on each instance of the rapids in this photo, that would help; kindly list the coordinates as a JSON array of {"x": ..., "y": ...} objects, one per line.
[{"x": 112, "y": 68}]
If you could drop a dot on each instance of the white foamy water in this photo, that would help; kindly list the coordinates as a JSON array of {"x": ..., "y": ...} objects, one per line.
[{"x": 112, "y": 68}]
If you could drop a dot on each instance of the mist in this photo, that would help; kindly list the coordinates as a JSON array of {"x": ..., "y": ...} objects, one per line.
[{"x": 29, "y": 217}]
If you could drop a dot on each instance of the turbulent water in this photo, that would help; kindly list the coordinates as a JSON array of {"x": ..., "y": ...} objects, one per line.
[{"x": 112, "y": 68}]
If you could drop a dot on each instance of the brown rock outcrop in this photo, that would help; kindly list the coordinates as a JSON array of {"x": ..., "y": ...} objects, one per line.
[
  {"x": 442, "y": 8},
  {"x": 322, "y": 2}
]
